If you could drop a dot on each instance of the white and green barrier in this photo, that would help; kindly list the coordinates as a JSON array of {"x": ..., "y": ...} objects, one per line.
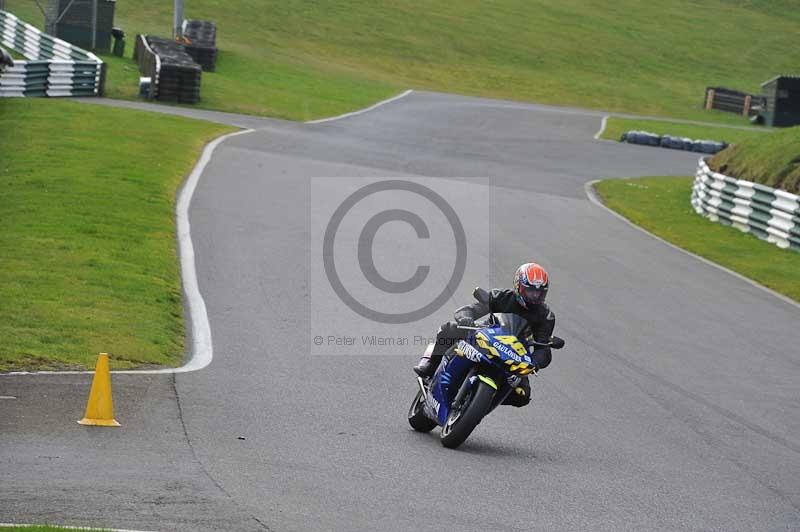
[
  {"x": 53, "y": 67},
  {"x": 770, "y": 214}
]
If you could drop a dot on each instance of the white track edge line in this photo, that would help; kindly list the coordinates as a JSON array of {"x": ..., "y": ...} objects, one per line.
[
  {"x": 362, "y": 111},
  {"x": 590, "y": 193},
  {"x": 9, "y": 525},
  {"x": 202, "y": 350},
  {"x": 603, "y": 124}
]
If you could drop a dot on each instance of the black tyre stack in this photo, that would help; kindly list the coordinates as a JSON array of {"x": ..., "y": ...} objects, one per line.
[
  {"x": 5, "y": 60},
  {"x": 202, "y": 42},
  {"x": 179, "y": 76},
  {"x": 675, "y": 143}
]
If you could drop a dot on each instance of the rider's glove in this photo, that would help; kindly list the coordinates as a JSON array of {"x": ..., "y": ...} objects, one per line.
[{"x": 465, "y": 321}]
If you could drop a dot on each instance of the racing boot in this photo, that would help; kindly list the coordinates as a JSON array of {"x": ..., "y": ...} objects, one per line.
[
  {"x": 426, "y": 366},
  {"x": 521, "y": 395},
  {"x": 432, "y": 357}
]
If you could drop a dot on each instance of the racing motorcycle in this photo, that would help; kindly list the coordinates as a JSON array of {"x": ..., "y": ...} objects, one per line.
[{"x": 475, "y": 376}]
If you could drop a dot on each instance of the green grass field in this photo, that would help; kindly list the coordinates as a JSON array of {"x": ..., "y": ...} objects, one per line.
[
  {"x": 89, "y": 260},
  {"x": 87, "y": 233},
  {"x": 773, "y": 160},
  {"x": 615, "y": 127},
  {"x": 303, "y": 59},
  {"x": 661, "y": 205},
  {"x": 44, "y": 528}
]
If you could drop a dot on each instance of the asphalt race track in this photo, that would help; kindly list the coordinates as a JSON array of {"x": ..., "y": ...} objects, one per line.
[{"x": 674, "y": 406}]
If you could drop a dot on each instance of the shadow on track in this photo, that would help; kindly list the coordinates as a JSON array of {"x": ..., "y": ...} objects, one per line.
[{"x": 475, "y": 446}]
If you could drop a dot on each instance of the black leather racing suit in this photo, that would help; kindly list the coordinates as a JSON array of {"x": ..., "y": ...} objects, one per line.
[{"x": 541, "y": 319}]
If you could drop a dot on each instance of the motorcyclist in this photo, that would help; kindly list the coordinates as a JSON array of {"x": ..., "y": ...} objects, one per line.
[{"x": 526, "y": 299}]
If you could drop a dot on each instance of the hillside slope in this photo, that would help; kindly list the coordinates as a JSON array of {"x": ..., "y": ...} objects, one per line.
[
  {"x": 302, "y": 58},
  {"x": 773, "y": 160}
]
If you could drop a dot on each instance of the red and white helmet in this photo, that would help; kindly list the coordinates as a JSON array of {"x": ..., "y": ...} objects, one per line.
[{"x": 531, "y": 284}]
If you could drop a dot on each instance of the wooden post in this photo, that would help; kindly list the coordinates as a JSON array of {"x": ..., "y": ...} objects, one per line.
[
  {"x": 746, "y": 110},
  {"x": 710, "y": 99}
]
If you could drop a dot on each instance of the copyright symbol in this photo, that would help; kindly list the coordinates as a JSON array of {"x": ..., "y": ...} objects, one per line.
[
  {"x": 318, "y": 340},
  {"x": 366, "y": 260}
]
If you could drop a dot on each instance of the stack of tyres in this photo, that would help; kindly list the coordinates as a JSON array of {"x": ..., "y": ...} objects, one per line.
[
  {"x": 201, "y": 36},
  {"x": 700, "y": 146},
  {"x": 5, "y": 60},
  {"x": 676, "y": 143},
  {"x": 709, "y": 146},
  {"x": 641, "y": 137},
  {"x": 179, "y": 75}
]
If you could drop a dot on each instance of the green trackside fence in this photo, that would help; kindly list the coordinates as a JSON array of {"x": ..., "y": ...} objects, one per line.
[
  {"x": 53, "y": 67},
  {"x": 770, "y": 214}
]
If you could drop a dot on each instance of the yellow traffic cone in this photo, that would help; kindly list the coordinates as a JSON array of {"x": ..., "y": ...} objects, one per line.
[{"x": 100, "y": 408}]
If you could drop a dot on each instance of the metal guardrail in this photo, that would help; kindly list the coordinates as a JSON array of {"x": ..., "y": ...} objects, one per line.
[
  {"x": 53, "y": 67},
  {"x": 768, "y": 213}
]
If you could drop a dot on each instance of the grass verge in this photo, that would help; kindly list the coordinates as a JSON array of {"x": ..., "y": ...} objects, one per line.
[
  {"x": 615, "y": 127},
  {"x": 46, "y": 528},
  {"x": 300, "y": 59},
  {"x": 661, "y": 205},
  {"x": 773, "y": 160},
  {"x": 87, "y": 233}
]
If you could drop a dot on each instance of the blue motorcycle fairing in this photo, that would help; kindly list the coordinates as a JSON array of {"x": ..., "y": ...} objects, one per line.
[
  {"x": 444, "y": 386},
  {"x": 504, "y": 354}
]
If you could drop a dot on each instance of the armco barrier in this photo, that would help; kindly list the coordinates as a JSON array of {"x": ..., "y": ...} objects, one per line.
[
  {"x": 770, "y": 214},
  {"x": 54, "y": 67}
]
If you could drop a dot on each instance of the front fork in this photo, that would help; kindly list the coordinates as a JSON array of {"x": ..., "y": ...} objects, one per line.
[{"x": 422, "y": 388}]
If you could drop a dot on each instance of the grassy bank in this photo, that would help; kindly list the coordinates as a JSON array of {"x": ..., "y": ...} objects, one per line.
[
  {"x": 301, "y": 59},
  {"x": 45, "y": 528},
  {"x": 615, "y": 127},
  {"x": 773, "y": 160},
  {"x": 87, "y": 233},
  {"x": 661, "y": 205}
]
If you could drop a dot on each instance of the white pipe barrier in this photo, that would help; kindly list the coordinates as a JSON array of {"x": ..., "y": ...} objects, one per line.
[
  {"x": 768, "y": 213},
  {"x": 54, "y": 67}
]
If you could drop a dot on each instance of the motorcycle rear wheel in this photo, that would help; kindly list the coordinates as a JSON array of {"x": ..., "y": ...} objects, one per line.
[
  {"x": 417, "y": 418},
  {"x": 463, "y": 418}
]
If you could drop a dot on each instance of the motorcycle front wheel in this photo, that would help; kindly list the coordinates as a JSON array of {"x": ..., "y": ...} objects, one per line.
[
  {"x": 464, "y": 417},
  {"x": 417, "y": 418}
]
